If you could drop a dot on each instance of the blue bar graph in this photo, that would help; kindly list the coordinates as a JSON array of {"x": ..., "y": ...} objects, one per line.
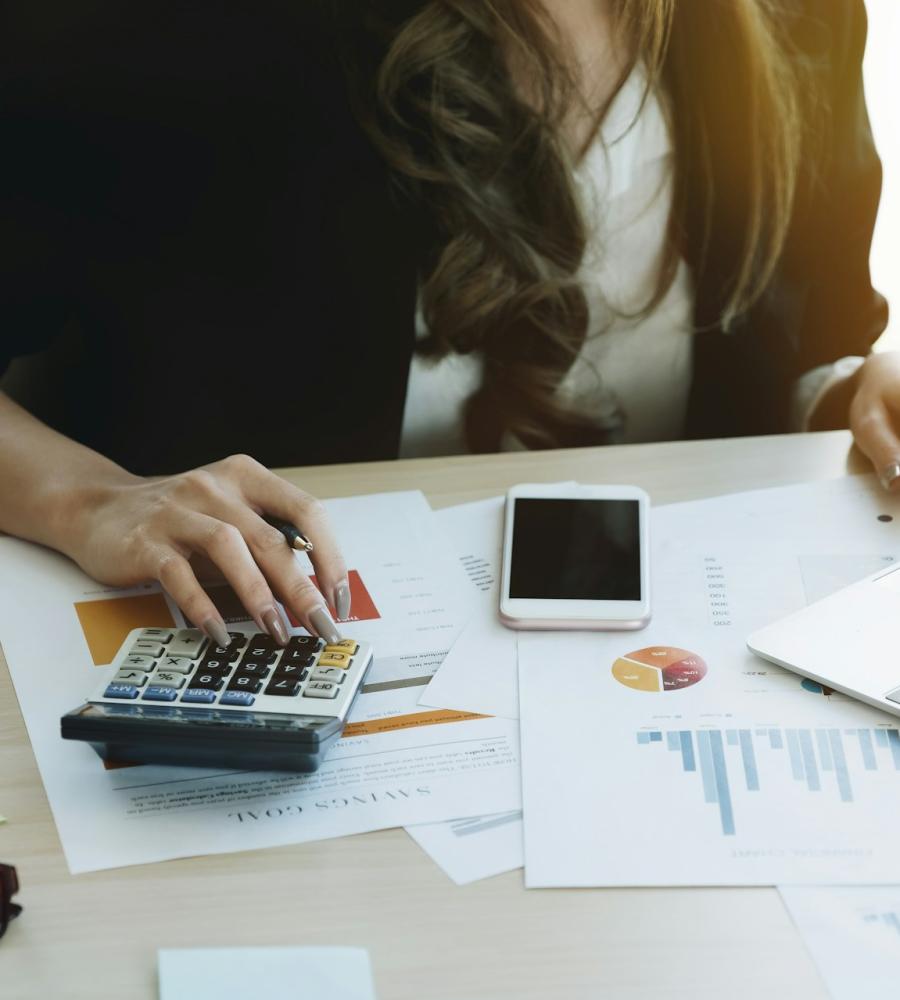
[
  {"x": 819, "y": 759},
  {"x": 890, "y": 919}
]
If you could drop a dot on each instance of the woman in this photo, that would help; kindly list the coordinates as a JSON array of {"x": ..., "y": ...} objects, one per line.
[{"x": 341, "y": 230}]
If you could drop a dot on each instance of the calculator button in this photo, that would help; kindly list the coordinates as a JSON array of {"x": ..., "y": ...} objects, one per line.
[
  {"x": 128, "y": 676},
  {"x": 243, "y": 698},
  {"x": 260, "y": 654},
  {"x": 321, "y": 689},
  {"x": 296, "y": 657},
  {"x": 245, "y": 683},
  {"x": 199, "y": 696},
  {"x": 227, "y": 653},
  {"x": 292, "y": 670},
  {"x": 209, "y": 682},
  {"x": 168, "y": 678},
  {"x": 304, "y": 643},
  {"x": 156, "y": 634},
  {"x": 139, "y": 662},
  {"x": 335, "y": 660},
  {"x": 348, "y": 646},
  {"x": 286, "y": 686},
  {"x": 147, "y": 647},
  {"x": 121, "y": 691},
  {"x": 157, "y": 692},
  {"x": 253, "y": 669},
  {"x": 180, "y": 664},
  {"x": 187, "y": 642},
  {"x": 334, "y": 674},
  {"x": 215, "y": 665}
]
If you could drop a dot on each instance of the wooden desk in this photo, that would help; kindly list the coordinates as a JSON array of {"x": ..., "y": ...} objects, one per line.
[{"x": 96, "y": 935}]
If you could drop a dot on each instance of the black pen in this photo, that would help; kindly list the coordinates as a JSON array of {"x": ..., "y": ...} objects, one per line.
[{"x": 292, "y": 535}]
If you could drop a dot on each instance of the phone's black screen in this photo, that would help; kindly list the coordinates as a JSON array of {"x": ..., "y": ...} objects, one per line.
[{"x": 575, "y": 550}]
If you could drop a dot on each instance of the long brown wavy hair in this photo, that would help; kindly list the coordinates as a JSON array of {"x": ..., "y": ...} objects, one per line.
[{"x": 495, "y": 172}]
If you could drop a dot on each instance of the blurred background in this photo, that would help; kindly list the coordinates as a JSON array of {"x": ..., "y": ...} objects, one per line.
[{"x": 882, "y": 76}]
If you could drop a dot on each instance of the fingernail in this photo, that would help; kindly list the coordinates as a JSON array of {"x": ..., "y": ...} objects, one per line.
[
  {"x": 273, "y": 624},
  {"x": 890, "y": 474},
  {"x": 323, "y": 625},
  {"x": 215, "y": 629},
  {"x": 342, "y": 600}
]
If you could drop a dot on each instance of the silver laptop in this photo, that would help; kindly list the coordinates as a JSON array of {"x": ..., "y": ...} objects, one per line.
[{"x": 848, "y": 641}]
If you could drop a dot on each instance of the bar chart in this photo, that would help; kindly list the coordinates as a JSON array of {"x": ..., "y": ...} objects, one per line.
[
  {"x": 890, "y": 919},
  {"x": 820, "y": 760}
]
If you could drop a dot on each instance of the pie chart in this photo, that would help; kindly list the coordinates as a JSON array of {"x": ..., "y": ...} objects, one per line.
[{"x": 659, "y": 668}]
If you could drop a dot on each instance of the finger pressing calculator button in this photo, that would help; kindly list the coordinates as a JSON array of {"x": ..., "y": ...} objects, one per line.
[
  {"x": 128, "y": 676},
  {"x": 180, "y": 664},
  {"x": 242, "y": 698},
  {"x": 335, "y": 674},
  {"x": 244, "y": 682},
  {"x": 348, "y": 646},
  {"x": 121, "y": 691},
  {"x": 156, "y": 692},
  {"x": 285, "y": 686},
  {"x": 208, "y": 682},
  {"x": 139, "y": 662},
  {"x": 321, "y": 689},
  {"x": 198, "y": 696},
  {"x": 147, "y": 647},
  {"x": 335, "y": 660},
  {"x": 187, "y": 642},
  {"x": 227, "y": 653},
  {"x": 156, "y": 634},
  {"x": 168, "y": 678}
]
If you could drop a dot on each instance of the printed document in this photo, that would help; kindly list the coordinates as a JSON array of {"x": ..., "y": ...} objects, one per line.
[
  {"x": 853, "y": 935},
  {"x": 479, "y": 673},
  {"x": 397, "y": 763},
  {"x": 679, "y": 758},
  {"x": 473, "y": 848}
]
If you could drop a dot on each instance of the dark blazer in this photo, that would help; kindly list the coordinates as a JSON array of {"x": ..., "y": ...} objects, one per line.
[{"x": 201, "y": 252}]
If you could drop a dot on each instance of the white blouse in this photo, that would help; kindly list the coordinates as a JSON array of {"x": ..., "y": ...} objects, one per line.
[{"x": 638, "y": 367}]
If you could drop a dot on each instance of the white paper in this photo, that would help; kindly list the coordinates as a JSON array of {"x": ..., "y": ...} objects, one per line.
[
  {"x": 406, "y": 765},
  {"x": 746, "y": 775},
  {"x": 853, "y": 935},
  {"x": 479, "y": 673},
  {"x": 273, "y": 973},
  {"x": 473, "y": 848}
]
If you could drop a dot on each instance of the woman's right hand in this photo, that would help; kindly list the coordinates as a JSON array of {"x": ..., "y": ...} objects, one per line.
[{"x": 140, "y": 530}]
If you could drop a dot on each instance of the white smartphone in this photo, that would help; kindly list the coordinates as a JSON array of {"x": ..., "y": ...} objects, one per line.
[{"x": 576, "y": 557}]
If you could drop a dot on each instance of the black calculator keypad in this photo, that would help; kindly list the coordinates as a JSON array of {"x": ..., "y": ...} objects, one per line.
[{"x": 189, "y": 669}]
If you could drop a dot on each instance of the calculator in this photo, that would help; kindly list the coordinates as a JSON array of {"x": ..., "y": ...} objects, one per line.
[{"x": 177, "y": 698}]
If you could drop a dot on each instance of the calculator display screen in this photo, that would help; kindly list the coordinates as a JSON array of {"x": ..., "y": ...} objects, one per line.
[{"x": 575, "y": 550}]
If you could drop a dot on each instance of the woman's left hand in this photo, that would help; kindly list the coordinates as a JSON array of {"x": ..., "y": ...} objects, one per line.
[{"x": 875, "y": 415}]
